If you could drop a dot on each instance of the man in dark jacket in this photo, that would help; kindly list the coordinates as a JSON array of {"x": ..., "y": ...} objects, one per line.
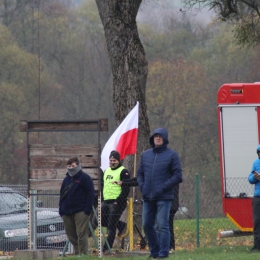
[
  {"x": 158, "y": 173},
  {"x": 76, "y": 200}
]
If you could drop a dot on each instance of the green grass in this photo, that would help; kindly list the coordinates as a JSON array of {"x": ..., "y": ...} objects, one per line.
[
  {"x": 211, "y": 247},
  {"x": 211, "y": 253},
  {"x": 185, "y": 233}
]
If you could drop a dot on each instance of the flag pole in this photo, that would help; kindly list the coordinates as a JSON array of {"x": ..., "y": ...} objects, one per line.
[
  {"x": 134, "y": 174},
  {"x": 135, "y": 165},
  {"x": 130, "y": 214}
]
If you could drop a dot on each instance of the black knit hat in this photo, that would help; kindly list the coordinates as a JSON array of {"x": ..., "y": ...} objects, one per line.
[{"x": 115, "y": 154}]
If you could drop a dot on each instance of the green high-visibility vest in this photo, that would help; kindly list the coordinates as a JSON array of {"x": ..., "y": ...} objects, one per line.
[{"x": 112, "y": 191}]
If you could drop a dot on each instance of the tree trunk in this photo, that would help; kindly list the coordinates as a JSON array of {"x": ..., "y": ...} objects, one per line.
[{"x": 128, "y": 62}]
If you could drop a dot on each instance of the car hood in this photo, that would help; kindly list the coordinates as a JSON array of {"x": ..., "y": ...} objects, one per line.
[{"x": 44, "y": 216}]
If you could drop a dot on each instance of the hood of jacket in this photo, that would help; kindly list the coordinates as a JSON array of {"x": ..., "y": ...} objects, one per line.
[{"x": 161, "y": 131}]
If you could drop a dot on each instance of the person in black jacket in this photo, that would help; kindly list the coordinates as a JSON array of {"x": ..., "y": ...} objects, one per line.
[
  {"x": 76, "y": 201},
  {"x": 127, "y": 182},
  {"x": 114, "y": 199}
]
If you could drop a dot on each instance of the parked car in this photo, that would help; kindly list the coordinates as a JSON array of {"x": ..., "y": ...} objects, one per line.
[{"x": 14, "y": 223}]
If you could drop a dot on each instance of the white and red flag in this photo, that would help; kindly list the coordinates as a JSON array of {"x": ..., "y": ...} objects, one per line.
[{"x": 124, "y": 139}]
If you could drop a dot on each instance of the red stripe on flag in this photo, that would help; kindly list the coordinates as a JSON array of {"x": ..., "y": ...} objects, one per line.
[{"x": 127, "y": 143}]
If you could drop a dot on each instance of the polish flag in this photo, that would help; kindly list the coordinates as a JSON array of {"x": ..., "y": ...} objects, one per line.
[{"x": 123, "y": 140}]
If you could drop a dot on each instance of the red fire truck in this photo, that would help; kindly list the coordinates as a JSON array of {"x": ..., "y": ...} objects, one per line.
[{"x": 239, "y": 136}]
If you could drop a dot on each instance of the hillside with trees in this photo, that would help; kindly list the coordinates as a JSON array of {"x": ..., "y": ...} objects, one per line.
[{"x": 55, "y": 65}]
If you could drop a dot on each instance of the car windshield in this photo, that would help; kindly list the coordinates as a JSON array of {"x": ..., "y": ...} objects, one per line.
[{"x": 12, "y": 203}]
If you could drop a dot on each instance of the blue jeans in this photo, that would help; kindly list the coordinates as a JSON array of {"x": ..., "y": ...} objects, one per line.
[{"x": 156, "y": 212}]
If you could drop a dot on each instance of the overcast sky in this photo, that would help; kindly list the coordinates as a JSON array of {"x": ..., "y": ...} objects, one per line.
[{"x": 156, "y": 9}]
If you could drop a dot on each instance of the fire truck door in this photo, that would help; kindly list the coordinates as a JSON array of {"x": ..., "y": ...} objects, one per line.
[{"x": 239, "y": 132}]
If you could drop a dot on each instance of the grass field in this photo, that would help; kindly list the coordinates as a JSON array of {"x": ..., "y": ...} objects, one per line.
[
  {"x": 210, "y": 246},
  {"x": 210, "y": 253},
  {"x": 185, "y": 233}
]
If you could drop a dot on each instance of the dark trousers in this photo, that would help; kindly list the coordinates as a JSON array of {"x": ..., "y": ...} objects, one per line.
[
  {"x": 110, "y": 215},
  {"x": 171, "y": 227},
  {"x": 256, "y": 218}
]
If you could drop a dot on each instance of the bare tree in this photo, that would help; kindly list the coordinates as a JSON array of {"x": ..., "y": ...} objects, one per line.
[{"x": 245, "y": 14}]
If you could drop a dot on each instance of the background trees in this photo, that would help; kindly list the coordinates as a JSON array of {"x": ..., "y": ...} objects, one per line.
[
  {"x": 56, "y": 50},
  {"x": 181, "y": 94},
  {"x": 244, "y": 14},
  {"x": 17, "y": 79}
]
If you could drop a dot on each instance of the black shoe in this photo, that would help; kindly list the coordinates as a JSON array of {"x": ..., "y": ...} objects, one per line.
[
  {"x": 165, "y": 256},
  {"x": 121, "y": 230},
  {"x": 152, "y": 257},
  {"x": 254, "y": 250}
]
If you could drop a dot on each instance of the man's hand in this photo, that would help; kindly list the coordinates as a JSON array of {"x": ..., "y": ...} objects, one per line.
[
  {"x": 117, "y": 182},
  {"x": 256, "y": 175}
]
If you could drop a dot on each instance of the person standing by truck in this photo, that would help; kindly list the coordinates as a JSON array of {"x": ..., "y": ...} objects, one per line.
[{"x": 254, "y": 178}]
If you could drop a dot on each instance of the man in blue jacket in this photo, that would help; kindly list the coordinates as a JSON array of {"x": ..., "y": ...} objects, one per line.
[
  {"x": 158, "y": 173},
  {"x": 76, "y": 201},
  {"x": 254, "y": 178}
]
